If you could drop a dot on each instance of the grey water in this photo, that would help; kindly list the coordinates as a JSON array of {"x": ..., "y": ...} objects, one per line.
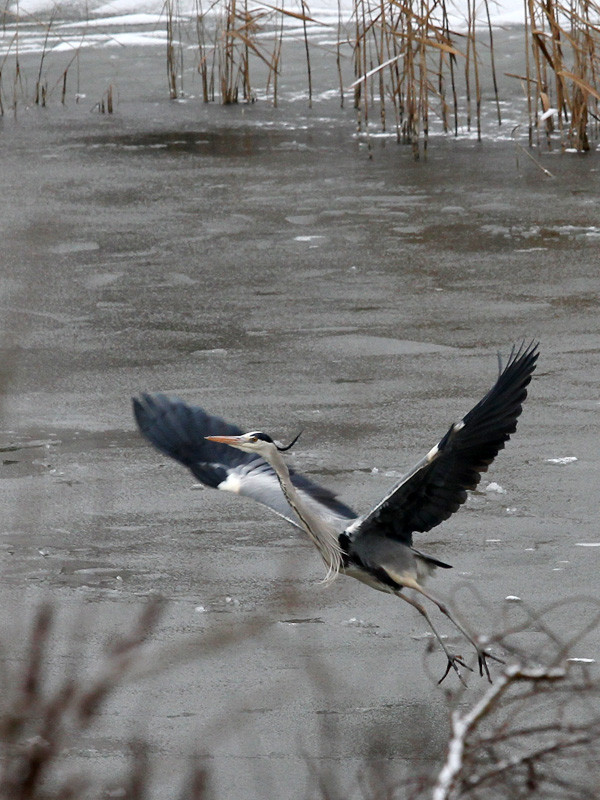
[{"x": 269, "y": 265}]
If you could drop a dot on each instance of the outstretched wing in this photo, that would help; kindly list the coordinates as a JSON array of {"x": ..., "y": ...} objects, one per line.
[
  {"x": 437, "y": 486},
  {"x": 178, "y": 430}
]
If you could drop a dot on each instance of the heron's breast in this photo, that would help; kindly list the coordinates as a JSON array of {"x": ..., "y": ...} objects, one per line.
[{"x": 367, "y": 578}]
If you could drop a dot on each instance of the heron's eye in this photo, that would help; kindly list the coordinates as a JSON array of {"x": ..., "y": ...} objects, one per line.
[
  {"x": 258, "y": 436},
  {"x": 253, "y": 439}
]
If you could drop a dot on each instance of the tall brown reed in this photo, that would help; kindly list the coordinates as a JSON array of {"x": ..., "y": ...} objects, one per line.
[
  {"x": 229, "y": 39},
  {"x": 563, "y": 71},
  {"x": 172, "y": 13},
  {"x": 405, "y": 54}
]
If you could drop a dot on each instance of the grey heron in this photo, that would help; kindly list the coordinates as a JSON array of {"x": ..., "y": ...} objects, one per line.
[{"x": 376, "y": 547}]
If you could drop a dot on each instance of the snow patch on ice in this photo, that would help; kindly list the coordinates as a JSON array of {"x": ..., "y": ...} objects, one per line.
[
  {"x": 495, "y": 487},
  {"x": 354, "y": 622}
]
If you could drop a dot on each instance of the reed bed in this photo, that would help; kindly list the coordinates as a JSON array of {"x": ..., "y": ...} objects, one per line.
[
  {"x": 50, "y": 78},
  {"x": 563, "y": 71},
  {"x": 409, "y": 66},
  {"x": 234, "y": 39}
]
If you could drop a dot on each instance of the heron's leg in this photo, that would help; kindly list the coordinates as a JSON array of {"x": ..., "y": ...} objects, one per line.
[
  {"x": 482, "y": 654},
  {"x": 453, "y": 661}
]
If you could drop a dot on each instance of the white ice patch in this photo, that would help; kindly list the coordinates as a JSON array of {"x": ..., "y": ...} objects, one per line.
[
  {"x": 512, "y": 598},
  {"x": 121, "y": 20},
  {"x": 562, "y": 460},
  {"x": 495, "y": 487},
  {"x": 354, "y": 622},
  {"x": 582, "y": 660},
  {"x": 587, "y": 544}
]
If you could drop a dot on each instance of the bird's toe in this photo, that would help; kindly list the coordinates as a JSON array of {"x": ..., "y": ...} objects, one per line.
[{"x": 454, "y": 662}]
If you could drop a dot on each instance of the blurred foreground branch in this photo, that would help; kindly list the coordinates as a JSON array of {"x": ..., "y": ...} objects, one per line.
[
  {"x": 536, "y": 730},
  {"x": 40, "y": 720}
]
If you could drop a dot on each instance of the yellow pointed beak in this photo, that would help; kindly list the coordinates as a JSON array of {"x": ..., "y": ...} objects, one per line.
[{"x": 232, "y": 440}]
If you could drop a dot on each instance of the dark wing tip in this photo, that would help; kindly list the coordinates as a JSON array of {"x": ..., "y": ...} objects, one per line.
[
  {"x": 523, "y": 355},
  {"x": 147, "y": 410},
  {"x": 178, "y": 430},
  {"x": 438, "y": 486}
]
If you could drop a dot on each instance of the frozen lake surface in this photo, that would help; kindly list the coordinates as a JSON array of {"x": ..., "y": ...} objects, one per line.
[{"x": 257, "y": 262}]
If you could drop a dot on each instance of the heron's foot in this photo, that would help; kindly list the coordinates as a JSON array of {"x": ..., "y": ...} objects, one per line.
[
  {"x": 482, "y": 656},
  {"x": 454, "y": 662}
]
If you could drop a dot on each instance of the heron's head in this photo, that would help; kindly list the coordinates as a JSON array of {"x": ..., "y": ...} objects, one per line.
[{"x": 253, "y": 442}]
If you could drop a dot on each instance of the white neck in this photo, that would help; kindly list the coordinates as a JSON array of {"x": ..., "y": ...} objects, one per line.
[{"x": 322, "y": 533}]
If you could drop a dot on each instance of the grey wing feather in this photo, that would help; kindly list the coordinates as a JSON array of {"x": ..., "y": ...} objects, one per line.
[
  {"x": 437, "y": 485},
  {"x": 178, "y": 430}
]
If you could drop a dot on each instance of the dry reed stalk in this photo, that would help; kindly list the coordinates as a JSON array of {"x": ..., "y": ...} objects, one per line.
[
  {"x": 469, "y": 40},
  {"x": 106, "y": 103},
  {"x": 40, "y": 90},
  {"x": 493, "y": 60},
  {"x": 528, "y": 78},
  {"x": 17, "y": 75},
  {"x": 202, "y": 55},
  {"x": 171, "y": 71},
  {"x": 227, "y": 62},
  {"x": 473, "y": 25},
  {"x": 338, "y": 53},
  {"x": 307, "y": 50},
  {"x": 273, "y": 74}
]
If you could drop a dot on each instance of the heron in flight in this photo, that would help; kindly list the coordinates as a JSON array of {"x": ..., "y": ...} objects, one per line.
[{"x": 376, "y": 547}]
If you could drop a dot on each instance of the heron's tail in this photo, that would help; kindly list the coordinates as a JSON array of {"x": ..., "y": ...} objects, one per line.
[{"x": 427, "y": 565}]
